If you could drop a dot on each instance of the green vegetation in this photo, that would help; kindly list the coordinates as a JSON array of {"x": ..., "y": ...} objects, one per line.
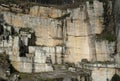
[
  {"x": 56, "y": 2},
  {"x": 109, "y": 29},
  {"x": 9, "y": 1},
  {"x": 107, "y": 35},
  {"x": 26, "y": 29},
  {"x": 61, "y": 4},
  {"x": 26, "y": 76},
  {"x": 103, "y": 62},
  {"x": 68, "y": 64},
  {"x": 39, "y": 79}
]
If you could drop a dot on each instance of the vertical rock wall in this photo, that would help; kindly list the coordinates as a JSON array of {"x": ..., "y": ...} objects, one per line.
[
  {"x": 73, "y": 29},
  {"x": 103, "y": 74},
  {"x": 117, "y": 27}
]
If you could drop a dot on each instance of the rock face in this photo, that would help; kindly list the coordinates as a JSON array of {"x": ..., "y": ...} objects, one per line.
[
  {"x": 117, "y": 25},
  {"x": 16, "y": 45},
  {"x": 75, "y": 32},
  {"x": 48, "y": 35},
  {"x": 73, "y": 29},
  {"x": 107, "y": 74}
]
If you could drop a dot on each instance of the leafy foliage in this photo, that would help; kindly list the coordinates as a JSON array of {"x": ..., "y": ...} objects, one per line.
[
  {"x": 58, "y": 2},
  {"x": 107, "y": 36}
]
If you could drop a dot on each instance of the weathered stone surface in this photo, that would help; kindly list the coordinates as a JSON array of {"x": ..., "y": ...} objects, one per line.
[
  {"x": 46, "y": 12},
  {"x": 61, "y": 35},
  {"x": 22, "y": 66},
  {"x": 45, "y": 29},
  {"x": 54, "y": 53},
  {"x": 103, "y": 74},
  {"x": 117, "y": 28},
  {"x": 78, "y": 48},
  {"x": 104, "y": 50},
  {"x": 82, "y": 26}
]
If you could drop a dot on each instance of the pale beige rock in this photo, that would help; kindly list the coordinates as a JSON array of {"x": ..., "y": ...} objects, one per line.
[
  {"x": 22, "y": 66},
  {"x": 104, "y": 50},
  {"x": 102, "y": 74},
  {"x": 46, "y": 12},
  {"x": 76, "y": 34}
]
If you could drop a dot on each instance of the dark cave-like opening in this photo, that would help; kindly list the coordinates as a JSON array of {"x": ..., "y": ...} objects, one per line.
[{"x": 115, "y": 77}]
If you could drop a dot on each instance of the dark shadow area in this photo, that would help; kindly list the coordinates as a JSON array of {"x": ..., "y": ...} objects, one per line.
[
  {"x": 32, "y": 40},
  {"x": 12, "y": 69},
  {"x": 23, "y": 49},
  {"x": 1, "y": 18},
  {"x": 1, "y": 29},
  {"x": 115, "y": 77},
  {"x": 55, "y": 2},
  {"x": 1, "y": 79},
  {"x": 58, "y": 2}
]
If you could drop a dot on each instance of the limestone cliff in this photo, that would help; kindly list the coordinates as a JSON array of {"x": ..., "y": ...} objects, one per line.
[{"x": 74, "y": 29}]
